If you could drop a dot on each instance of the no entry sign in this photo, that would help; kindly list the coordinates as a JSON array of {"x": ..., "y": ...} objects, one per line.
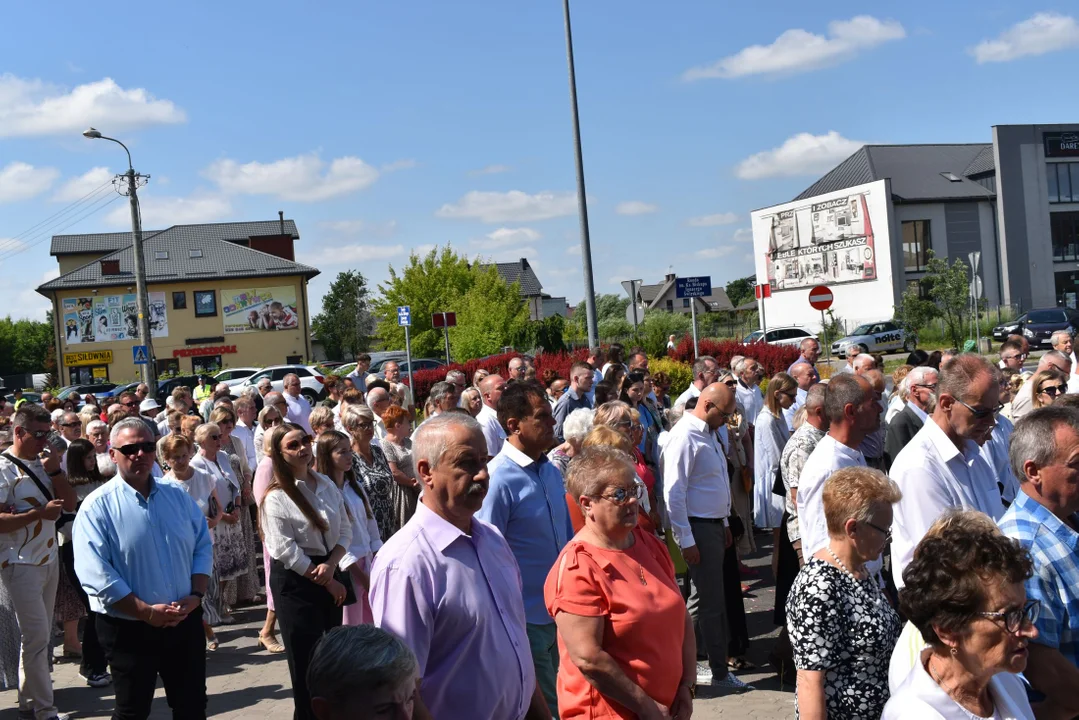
[{"x": 820, "y": 297}]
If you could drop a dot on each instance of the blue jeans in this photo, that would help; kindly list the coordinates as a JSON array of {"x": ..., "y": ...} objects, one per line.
[{"x": 543, "y": 641}]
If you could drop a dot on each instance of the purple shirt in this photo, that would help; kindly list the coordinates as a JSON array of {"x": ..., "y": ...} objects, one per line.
[{"x": 455, "y": 600}]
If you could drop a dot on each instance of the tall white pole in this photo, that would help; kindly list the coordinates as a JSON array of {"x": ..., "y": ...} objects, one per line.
[{"x": 693, "y": 316}]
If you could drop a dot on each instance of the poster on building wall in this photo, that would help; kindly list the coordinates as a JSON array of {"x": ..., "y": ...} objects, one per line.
[
  {"x": 111, "y": 318},
  {"x": 260, "y": 309},
  {"x": 830, "y": 239}
]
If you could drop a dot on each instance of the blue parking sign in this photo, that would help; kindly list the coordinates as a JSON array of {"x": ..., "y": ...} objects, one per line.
[{"x": 404, "y": 315}]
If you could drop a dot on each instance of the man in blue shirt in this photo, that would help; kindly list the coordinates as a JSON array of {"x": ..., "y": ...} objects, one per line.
[
  {"x": 526, "y": 501},
  {"x": 143, "y": 556},
  {"x": 575, "y": 398}
]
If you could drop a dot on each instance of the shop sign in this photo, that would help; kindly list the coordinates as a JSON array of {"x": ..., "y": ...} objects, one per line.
[
  {"x": 95, "y": 357},
  {"x": 195, "y": 352},
  {"x": 1061, "y": 144}
]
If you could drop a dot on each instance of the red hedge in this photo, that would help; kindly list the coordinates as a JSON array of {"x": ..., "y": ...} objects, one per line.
[{"x": 774, "y": 358}]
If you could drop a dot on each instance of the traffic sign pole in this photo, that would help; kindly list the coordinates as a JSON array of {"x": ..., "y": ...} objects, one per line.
[
  {"x": 693, "y": 316},
  {"x": 404, "y": 318}
]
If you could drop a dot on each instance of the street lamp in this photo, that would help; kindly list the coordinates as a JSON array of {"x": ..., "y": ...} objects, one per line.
[{"x": 149, "y": 372}]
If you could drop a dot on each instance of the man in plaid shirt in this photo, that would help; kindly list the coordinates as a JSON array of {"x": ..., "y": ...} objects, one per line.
[{"x": 1044, "y": 518}]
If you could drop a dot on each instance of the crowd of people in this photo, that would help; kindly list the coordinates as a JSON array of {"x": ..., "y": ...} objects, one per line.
[{"x": 565, "y": 546}]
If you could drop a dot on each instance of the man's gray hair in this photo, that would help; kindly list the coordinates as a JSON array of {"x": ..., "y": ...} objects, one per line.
[
  {"x": 94, "y": 425},
  {"x": 958, "y": 374},
  {"x": 805, "y": 344},
  {"x": 284, "y": 380},
  {"x": 263, "y": 382},
  {"x": 353, "y": 414},
  {"x": 441, "y": 390},
  {"x": 864, "y": 362},
  {"x": 577, "y": 424},
  {"x": 1059, "y": 357},
  {"x": 1034, "y": 437},
  {"x": 431, "y": 436},
  {"x": 844, "y": 389},
  {"x": 675, "y": 414},
  {"x": 918, "y": 376},
  {"x": 1059, "y": 334},
  {"x": 701, "y": 365},
  {"x": 377, "y": 394},
  {"x": 129, "y": 423},
  {"x": 454, "y": 375},
  {"x": 251, "y": 391},
  {"x": 816, "y": 395},
  {"x": 351, "y": 661}
]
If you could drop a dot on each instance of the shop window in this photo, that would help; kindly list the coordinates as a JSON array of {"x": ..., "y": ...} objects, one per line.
[
  {"x": 1064, "y": 227},
  {"x": 169, "y": 367},
  {"x": 205, "y": 364},
  {"x": 294, "y": 360},
  {"x": 179, "y": 300},
  {"x": 89, "y": 374},
  {"x": 916, "y": 245},
  {"x": 1062, "y": 180},
  {"x": 205, "y": 303},
  {"x": 1067, "y": 289}
]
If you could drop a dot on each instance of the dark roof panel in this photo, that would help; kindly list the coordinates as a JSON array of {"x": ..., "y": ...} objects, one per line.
[
  {"x": 982, "y": 163},
  {"x": 110, "y": 242},
  {"x": 519, "y": 272}
]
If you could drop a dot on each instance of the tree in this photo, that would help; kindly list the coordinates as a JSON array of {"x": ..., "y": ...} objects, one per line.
[
  {"x": 25, "y": 345},
  {"x": 741, "y": 290},
  {"x": 608, "y": 307},
  {"x": 490, "y": 315},
  {"x": 658, "y": 325},
  {"x": 428, "y": 285},
  {"x": 914, "y": 312},
  {"x": 345, "y": 324},
  {"x": 949, "y": 289}
]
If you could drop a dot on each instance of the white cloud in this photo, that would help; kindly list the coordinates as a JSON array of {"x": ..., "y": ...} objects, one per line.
[
  {"x": 512, "y": 206},
  {"x": 9, "y": 246},
  {"x": 21, "y": 181},
  {"x": 358, "y": 228},
  {"x": 798, "y": 50},
  {"x": 724, "y": 218},
  {"x": 304, "y": 178},
  {"x": 506, "y": 237},
  {"x": 162, "y": 212},
  {"x": 743, "y": 235},
  {"x": 351, "y": 254},
  {"x": 801, "y": 154},
  {"x": 27, "y": 303},
  {"x": 635, "y": 207},
  {"x": 491, "y": 170},
  {"x": 1043, "y": 33},
  {"x": 79, "y": 187},
  {"x": 396, "y": 165},
  {"x": 34, "y": 107},
  {"x": 574, "y": 250},
  {"x": 714, "y": 252}
]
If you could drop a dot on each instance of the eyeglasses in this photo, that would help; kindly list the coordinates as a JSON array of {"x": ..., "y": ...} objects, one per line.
[
  {"x": 37, "y": 434},
  {"x": 271, "y": 422},
  {"x": 930, "y": 388},
  {"x": 730, "y": 383},
  {"x": 982, "y": 413},
  {"x": 887, "y": 533},
  {"x": 1017, "y": 617},
  {"x": 74, "y": 424},
  {"x": 133, "y": 449},
  {"x": 364, "y": 425},
  {"x": 213, "y": 437},
  {"x": 297, "y": 444},
  {"x": 623, "y": 495},
  {"x": 1054, "y": 390},
  {"x": 130, "y": 404}
]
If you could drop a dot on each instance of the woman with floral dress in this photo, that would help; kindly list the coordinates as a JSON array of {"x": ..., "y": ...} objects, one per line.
[
  {"x": 371, "y": 467},
  {"x": 244, "y": 589}
]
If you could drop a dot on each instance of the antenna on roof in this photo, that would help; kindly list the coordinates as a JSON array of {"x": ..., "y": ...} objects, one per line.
[{"x": 281, "y": 220}]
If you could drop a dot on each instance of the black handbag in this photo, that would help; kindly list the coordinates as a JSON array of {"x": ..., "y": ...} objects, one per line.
[{"x": 778, "y": 488}]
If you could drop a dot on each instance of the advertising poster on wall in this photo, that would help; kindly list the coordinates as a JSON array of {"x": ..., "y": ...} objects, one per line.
[
  {"x": 823, "y": 241},
  {"x": 259, "y": 309},
  {"x": 111, "y": 318}
]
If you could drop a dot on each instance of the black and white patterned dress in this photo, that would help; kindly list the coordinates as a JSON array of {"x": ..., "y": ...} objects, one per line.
[
  {"x": 377, "y": 480},
  {"x": 846, "y": 629}
]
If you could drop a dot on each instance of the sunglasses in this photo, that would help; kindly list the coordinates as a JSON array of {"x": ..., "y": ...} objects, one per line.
[
  {"x": 133, "y": 449},
  {"x": 1054, "y": 390},
  {"x": 930, "y": 388},
  {"x": 730, "y": 383},
  {"x": 297, "y": 444},
  {"x": 130, "y": 404},
  {"x": 213, "y": 437},
  {"x": 623, "y": 495},
  {"x": 271, "y": 423},
  {"x": 74, "y": 424},
  {"x": 1017, "y": 617},
  {"x": 37, "y": 434},
  {"x": 982, "y": 413}
]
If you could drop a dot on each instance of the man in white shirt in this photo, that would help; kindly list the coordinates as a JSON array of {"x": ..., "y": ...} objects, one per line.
[
  {"x": 697, "y": 491},
  {"x": 491, "y": 388},
  {"x": 1062, "y": 341},
  {"x": 921, "y": 387},
  {"x": 749, "y": 374},
  {"x": 853, "y": 413},
  {"x": 942, "y": 467},
  {"x": 378, "y": 400},
  {"x": 299, "y": 410},
  {"x": 705, "y": 372},
  {"x": 392, "y": 371},
  {"x": 245, "y": 428},
  {"x": 1024, "y": 401},
  {"x": 805, "y": 376},
  {"x": 852, "y": 352}
]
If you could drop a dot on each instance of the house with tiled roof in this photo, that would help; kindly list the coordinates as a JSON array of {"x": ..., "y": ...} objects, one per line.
[
  {"x": 220, "y": 294},
  {"x": 540, "y": 304}
]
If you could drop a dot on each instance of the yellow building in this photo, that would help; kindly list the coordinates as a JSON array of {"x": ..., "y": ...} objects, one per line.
[{"x": 220, "y": 295}]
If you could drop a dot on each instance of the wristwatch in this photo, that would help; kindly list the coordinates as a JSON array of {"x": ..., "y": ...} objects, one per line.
[
  {"x": 56, "y": 472},
  {"x": 199, "y": 595}
]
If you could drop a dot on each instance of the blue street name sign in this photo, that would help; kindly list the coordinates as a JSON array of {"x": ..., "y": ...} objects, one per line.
[
  {"x": 404, "y": 315},
  {"x": 141, "y": 354},
  {"x": 689, "y": 287}
]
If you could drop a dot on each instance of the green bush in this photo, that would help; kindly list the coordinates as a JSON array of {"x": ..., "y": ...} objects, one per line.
[{"x": 680, "y": 373}]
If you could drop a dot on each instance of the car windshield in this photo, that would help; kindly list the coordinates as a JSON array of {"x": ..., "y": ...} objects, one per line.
[
  {"x": 862, "y": 329},
  {"x": 753, "y": 337},
  {"x": 1047, "y": 316}
]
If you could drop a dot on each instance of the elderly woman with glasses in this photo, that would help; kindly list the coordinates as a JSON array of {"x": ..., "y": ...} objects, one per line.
[
  {"x": 964, "y": 594},
  {"x": 625, "y": 419},
  {"x": 1047, "y": 386},
  {"x": 842, "y": 629},
  {"x": 371, "y": 468},
  {"x": 626, "y": 642}
]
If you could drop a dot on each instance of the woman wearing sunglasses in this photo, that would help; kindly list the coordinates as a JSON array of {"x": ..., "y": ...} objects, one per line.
[
  {"x": 626, "y": 641},
  {"x": 1048, "y": 385},
  {"x": 307, "y": 531},
  {"x": 964, "y": 593},
  {"x": 269, "y": 418},
  {"x": 371, "y": 467}
]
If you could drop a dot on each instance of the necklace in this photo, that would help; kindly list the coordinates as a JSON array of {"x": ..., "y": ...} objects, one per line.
[
  {"x": 940, "y": 683},
  {"x": 842, "y": 566}
]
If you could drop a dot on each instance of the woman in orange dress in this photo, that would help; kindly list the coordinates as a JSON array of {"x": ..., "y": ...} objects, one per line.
[{"x": 625, "y": 640}]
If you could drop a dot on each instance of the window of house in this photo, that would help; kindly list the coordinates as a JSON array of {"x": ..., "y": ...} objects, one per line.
[
  {"x": 1062, "y": 180},
  {"x": 1064, "y": 228},
  {"x": 205, "y": 303},
  {"x": 670, "y": 305},
  {"x": 916, "y": 245},
  {"x": 685, "y": 302},
  {"x": 179, "y": 300},
  {"x": 161, "y": 254},
  {"x": 205, "y": 364},
  {"x": 194, "y": 253}
]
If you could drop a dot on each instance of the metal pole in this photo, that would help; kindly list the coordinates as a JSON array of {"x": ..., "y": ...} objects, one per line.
[
  {"x": 693, "y": 316},
  {"x": 408, "y": 360},
  {"x": 149, "y": 372},
  {"x": 582, "y": 201},
  {"x": 446, "y": 335},
  {"x": 633, "y": 302},
  {"x": 827, "y": 338},
  {"x": 764, "y": 320}
]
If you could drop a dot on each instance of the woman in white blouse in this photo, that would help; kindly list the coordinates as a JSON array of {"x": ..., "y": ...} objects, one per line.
[
  {"x": 333, "y": 458},
  {"x": 307, "y": 531}
]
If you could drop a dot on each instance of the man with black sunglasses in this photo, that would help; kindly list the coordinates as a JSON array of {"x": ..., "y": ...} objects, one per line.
[
  {"x": 942, "y": 467},
  {"x": 143, "y": 556},
  {"x": 33, "y": 492}
]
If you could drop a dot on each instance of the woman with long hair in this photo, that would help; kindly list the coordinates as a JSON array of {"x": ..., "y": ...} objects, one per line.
[
  {"x": 71, "y": 602},
  {"x": 245, "y": 589},
  {"x": 634, "y": 394},
  {"x": 1046, "y": 386},
  {"x": 371, "y": 468},
  {"x": 269, "y": 418},
  {"x": 615, "y": 376},
  {"x": 177, "y": 451},
  {"x": 307, "y": 532},
  {"x": 333, "y": 458},
  {"x": 769, "y": 438}
]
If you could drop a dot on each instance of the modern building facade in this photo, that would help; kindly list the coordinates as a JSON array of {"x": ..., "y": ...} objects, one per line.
[
  {"x": 222, "y": 294},
  {"x": 865, "y": 228}
]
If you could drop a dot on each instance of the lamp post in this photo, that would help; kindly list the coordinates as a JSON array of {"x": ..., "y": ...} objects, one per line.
[{"x": 149, "y": 372}]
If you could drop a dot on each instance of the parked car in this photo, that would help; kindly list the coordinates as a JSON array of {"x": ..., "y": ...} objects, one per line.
[
  {"x": 116, "y": 391},
  {"x": 876, "y": 337},
  {"x": 310, "y": 380},
  {"x": 34, "y": 397},
  {"x": 234, "y": 376},
  {"x": 65, "y": 392},
  {"x": 1002, "y": 331},
  {"x": 780, "y": 336},
  {"x": 165, "y": 387},
  {"x": 1040, "y": 324}
]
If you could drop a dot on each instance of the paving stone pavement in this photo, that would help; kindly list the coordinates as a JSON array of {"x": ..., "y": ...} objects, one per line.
[{"x": 245, "y": 681}]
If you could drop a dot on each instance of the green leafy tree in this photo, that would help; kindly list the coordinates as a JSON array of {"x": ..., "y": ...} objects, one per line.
[
  {"x": 658, "y": 325},
  {"x": 741, "y": 290},
  {"x": 345, "y": 324},
  {"x": 549, "y": 334},
  {"x": 429, "y": 284},
  {"x": 490, "y": 314},
  {"x": 611, "y": 328},
  {"x": 949, "y": 288},
  {"x": 609, "y": 307},
  {"x": 914, "y": 312},
  {"x": 26, "y": 345}
]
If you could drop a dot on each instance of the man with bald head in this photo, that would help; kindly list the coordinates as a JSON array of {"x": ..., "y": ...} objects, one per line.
[
  {"x": 805, "y": 376},
  {"x": 1024, "y": 401},
  {"x": 491, "y": 388},
  {"x": 697, "y": 492},
  {"x": 378, "y": 400},
  {"x": 942, "y": 467}
]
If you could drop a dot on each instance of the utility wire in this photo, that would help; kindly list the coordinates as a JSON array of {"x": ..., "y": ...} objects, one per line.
[
  {"x": 47, "y": 233},
  {"x": 57, "y": 217}
]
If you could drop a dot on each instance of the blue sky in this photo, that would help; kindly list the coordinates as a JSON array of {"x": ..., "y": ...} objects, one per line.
[{"x": 384, "y": 127}]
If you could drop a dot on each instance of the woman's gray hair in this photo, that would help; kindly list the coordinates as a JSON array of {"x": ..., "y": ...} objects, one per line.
[
  {"x": 202, "y": 431},
  {"x": 94, "y": 425},
  {"x": 430, "y": 441},
  {"x": 353, "y": 414},
  {"x": 351, "y": 661},
  {"x": 577, "y": 424},
  {"x": 128, "y": 423}
]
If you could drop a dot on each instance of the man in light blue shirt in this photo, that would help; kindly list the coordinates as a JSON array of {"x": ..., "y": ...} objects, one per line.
[
  {"x": 143, "y": 556},
  {"x": 526, "y": 501}
]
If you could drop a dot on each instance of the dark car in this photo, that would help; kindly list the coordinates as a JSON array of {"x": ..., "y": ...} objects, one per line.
[
  {"x": 1009, "y": 327},
  {"x": 1040, "y": 324},
  {"x": 165, "y": 387},
  {"x": 94, "y": 388}
]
